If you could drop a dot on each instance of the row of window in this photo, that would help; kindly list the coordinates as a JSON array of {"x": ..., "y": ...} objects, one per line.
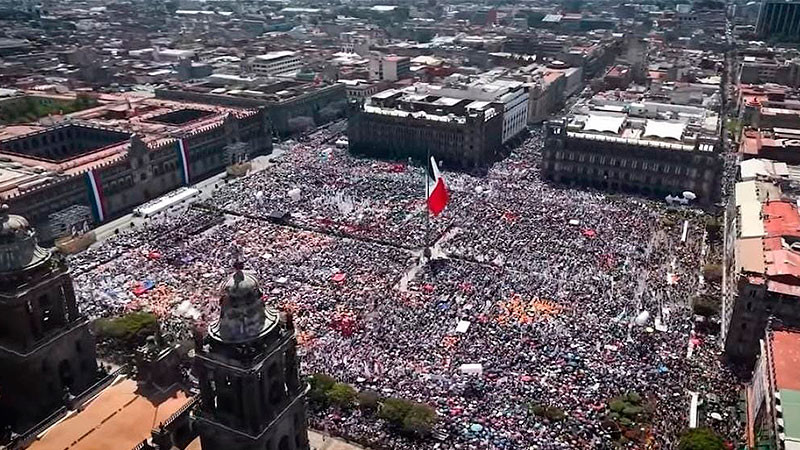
[
  {"x": 626, "y": 163},
  {"x": 635, "y": 177}
]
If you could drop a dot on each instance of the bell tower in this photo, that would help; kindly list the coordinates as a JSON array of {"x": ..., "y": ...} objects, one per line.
[
  {"x": 251, "y": 395},
  {"x": 47, "y": 353}
]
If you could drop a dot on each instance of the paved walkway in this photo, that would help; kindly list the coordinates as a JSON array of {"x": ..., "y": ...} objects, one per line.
[
  {"x": 206, "y": 188},
  {"x": 329, "y": 443}
]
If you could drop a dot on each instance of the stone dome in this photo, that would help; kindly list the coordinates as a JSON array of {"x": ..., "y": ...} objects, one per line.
[
  {"x": 241, "y": 285},
  {"x": 18, "y": 247},
  {"x": 13, "y": 224},
  {"x": 243, "y": 316}
]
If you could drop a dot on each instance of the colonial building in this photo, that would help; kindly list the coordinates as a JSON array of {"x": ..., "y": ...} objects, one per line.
[
  {"x": 620, "y": 152},
  {"x": 762, "y": 267},
  {"x": 464, "y": 126},
  {"x": 47, "y": 354},
  {"x": 251, "y": 394},
  {"x": 143, "y": 149},
  {"x": 773, "y": 394}
]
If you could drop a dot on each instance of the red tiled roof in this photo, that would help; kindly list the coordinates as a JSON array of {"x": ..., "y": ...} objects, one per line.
[
  {"x": 781, "y": 219},
  {"x": 783, "y": 264},
  {"x": 786, "y": 359}
]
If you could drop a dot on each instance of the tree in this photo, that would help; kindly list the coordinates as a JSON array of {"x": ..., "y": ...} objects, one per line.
[
  {"x": 320, "y": 385},
  {"x": 411, "y": 417},
  {"x": 705, "y": 305},
  {"x": 712, "y": 272},
  {"x": 128, "y": 327},
  {"x": 536, "y": 410},
  {"x": 419, "y": 420},
  {"x": 342, "y": 395},
  {"x": 554, "y": 413},
  {"x": 713, "y": 227},
  {"x": 617, "y": 405},
  {"x": 368, "y": 400},
  {"x": 700, "y": 439},
  {"x": 394, "y": 410}
]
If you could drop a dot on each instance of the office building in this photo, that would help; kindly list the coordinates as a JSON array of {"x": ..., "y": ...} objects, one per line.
[
  {"x": 276, "y": 63},
  {"x": 779, "y": 20},
  {"x": 389, "y": 67}
]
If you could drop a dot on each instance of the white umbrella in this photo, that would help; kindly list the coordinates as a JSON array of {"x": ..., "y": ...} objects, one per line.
[{"x": 689, "y": 195}]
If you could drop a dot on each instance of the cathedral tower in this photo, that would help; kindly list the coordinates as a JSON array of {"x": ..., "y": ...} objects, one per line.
[
  {"x": 251, "y": 395},
  {"x": 47, "y": 353}
]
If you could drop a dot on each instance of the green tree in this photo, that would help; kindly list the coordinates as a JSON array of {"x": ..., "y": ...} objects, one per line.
[
  {"x": 394, "y": 410},
  {"x": 128, "y": 327},
  {"x": 713, "y": 227},
  {"x": 634, "y": 398},
  {"x": 617, "y": 405},
  {"x": 342, "y": 395},
  {"x": 700, "y": 439},
  {"x": 368, "y": 400},
  {"x": 419, "y": 420},
  {"x": 712, "y": 272},
  {"x": 554, "y": 413},
  {"x": 705, "y": 305},
  {"x": 320, "y": 385},
  {"x": 536, "y": 409}
]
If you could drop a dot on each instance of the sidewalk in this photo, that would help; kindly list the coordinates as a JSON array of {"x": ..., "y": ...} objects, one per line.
[
  {"x": 206, "y": 188},
  {"x": 329, "y": 443}
]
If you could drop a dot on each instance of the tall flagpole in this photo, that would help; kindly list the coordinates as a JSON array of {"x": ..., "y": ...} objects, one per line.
[{"x": 427, "y": 194}]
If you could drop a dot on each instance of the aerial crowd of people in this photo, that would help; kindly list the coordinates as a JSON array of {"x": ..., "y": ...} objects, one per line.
[{"x": 536, "y": 294}]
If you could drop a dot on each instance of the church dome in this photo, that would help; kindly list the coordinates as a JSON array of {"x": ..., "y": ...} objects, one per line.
[
  {"x": 13, "y": 224},
  {"x": 241, "y": 284},
  {"x": 18, "y": 247},
  {"x": 243, "y": 316}
]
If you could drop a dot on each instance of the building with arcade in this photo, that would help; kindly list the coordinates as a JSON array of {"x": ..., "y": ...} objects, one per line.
[{"x": 465, "y": 126}]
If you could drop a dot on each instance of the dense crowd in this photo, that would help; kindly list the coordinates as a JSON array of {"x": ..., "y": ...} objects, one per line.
[{"x": 568, "y": 297}]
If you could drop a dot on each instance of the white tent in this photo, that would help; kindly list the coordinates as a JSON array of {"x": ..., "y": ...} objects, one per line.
[
  {"x": 462, "y": 326},
  {"x": 664, "y": 129},
  {"x": 471, "y": 369},
  {"x": 605, "y": 123}
]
